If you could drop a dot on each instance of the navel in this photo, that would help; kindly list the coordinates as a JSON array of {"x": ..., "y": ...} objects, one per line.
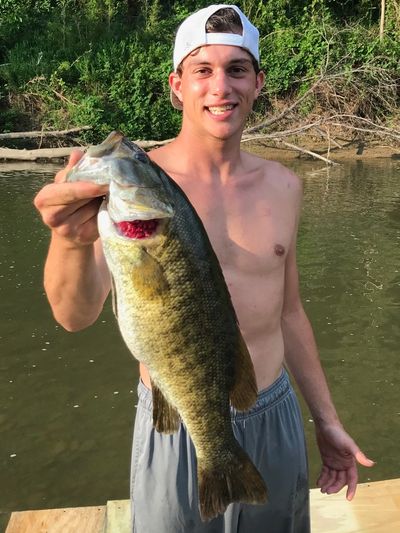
[{"x": 279, "y": 250}]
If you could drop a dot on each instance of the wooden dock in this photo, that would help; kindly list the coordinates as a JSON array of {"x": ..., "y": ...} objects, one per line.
[{"x": 375, "y": 509}]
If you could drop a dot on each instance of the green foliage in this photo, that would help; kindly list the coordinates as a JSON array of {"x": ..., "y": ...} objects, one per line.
[{"x": 105, "y": 63}]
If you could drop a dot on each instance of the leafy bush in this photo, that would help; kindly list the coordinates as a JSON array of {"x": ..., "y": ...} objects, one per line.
[{"x": 105, "y": 63}]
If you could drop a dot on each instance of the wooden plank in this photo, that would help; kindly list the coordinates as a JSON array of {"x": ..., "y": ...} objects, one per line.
[
  {"x": 68, "y": 520},
  {"x": 375, "y": 509},
  {"x": 118, "y": 517}
]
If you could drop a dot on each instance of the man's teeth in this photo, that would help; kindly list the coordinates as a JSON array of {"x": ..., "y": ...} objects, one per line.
[{"x": 218, "y": 110}]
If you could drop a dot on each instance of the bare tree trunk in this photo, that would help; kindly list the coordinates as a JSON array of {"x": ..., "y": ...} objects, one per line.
[{"x": 382, "y": 24}]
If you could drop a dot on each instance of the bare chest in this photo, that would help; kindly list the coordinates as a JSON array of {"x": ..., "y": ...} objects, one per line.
[{"x": 249, "y": 230}]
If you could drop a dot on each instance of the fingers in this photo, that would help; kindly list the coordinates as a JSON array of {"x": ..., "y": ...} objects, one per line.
[
  {"x": 327, "y": 479},
  {"x": 352, "y": 474},
  {"x": 75, "y": 156},
  {"x": 332, "y": 481},
  {"x": 362, "y": 459},
  {"x": 340, "y": 482},
  {"x": 81, "y": 226},
  {"x": 66, "y": 194},
  {"x": 352, "y": 479},
  {"x": 70, "y": 209},
  {"x": 323, "y": 479}
]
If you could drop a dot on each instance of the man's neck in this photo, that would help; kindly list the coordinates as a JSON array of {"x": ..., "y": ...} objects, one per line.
[{"x": 212, "y": 158}]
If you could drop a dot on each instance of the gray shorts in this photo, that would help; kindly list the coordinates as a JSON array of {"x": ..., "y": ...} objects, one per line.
[{"x": 164, "y": 479}]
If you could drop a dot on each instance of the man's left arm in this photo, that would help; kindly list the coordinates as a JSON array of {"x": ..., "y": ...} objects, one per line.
[{"x": 339, "y": 453}]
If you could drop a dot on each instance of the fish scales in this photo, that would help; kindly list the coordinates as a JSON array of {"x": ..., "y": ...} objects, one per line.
[{"x": 176, "y": 316}]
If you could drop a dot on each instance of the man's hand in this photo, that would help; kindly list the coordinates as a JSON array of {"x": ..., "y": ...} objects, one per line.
[
  {"x": 70, "y": 209},
  {"x": 340, "y": 455}
]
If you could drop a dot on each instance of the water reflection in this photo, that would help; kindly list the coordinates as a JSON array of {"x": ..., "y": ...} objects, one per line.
[{"x": 67, "y": 400}]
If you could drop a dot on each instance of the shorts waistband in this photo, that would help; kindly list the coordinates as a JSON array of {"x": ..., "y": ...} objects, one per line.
[{"x": 266, "y": 398}]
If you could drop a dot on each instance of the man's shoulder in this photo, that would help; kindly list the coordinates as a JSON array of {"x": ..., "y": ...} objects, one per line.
[
  {"x": 160, "y": 155},
  {"x": 275, "y": 173}
]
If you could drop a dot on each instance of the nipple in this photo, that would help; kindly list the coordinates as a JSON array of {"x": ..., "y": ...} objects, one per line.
[{"x": 279, "y": 250}]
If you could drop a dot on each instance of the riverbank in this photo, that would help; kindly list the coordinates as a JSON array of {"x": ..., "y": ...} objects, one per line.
[
  {"x": 349, "y": 151},
  {"x": 308, "y": 150}
]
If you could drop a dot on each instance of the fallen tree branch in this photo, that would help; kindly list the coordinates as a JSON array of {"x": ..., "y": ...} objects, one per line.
[
  {"x": 308, "y": 152},
  {"x": 366, "y": 130},
  {"x": 276, "y": 118},
  {"x": 40, "y": 134},
  {"x": 390, "y": 131},
  {"x": 152, "y": 144},
  {"x": 278, "y": 134},
  {"x": 33, "y": 155},
  {"x": 58, "y": 153}
]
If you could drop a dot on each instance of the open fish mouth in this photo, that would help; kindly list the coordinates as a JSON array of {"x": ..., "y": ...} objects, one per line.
[
  {"x": 128, "y": 229},
  {"x": 138, "y": 229}
]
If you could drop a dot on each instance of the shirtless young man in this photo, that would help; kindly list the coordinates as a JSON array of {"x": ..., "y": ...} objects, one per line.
[{"x": 250, "y": 208}]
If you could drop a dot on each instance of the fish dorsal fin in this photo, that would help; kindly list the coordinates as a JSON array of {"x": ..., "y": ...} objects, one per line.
[
  {"x": 114, "y": 298},
  {"x": 165, "y": 417},
  {"x": 244, "y": 391}
]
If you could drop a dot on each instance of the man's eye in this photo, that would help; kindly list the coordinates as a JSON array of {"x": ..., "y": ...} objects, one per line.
[
  {"x": 238, "y": 70},
  {"x": 202, "y": 71}
]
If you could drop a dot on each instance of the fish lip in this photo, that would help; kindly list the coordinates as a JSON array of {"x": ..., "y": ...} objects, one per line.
[{"x": 123, "y": 205}]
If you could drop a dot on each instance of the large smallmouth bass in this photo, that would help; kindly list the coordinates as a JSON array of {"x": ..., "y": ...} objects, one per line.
[{"x": 176, "y": 316}]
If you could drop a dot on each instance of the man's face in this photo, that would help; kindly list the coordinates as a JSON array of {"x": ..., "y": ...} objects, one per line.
[{"x": 218, "y": 86}]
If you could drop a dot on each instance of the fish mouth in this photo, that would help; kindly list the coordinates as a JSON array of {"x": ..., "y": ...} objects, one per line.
[
  {"x": 129, "y": 230},
  {"x": 137, "y": 229}
]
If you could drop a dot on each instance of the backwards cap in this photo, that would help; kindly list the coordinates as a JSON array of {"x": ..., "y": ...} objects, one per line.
[{"x": 192, "y": 34}]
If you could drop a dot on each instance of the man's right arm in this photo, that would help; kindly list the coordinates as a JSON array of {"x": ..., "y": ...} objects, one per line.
[{"x": 76, "y": 277}]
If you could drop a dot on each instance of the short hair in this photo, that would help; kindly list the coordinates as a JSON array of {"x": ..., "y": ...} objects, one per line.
[{"x": 225, "y": 20}]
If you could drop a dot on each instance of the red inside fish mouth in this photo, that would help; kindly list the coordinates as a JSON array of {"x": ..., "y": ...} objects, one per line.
[{"x": 138, "y": 229}]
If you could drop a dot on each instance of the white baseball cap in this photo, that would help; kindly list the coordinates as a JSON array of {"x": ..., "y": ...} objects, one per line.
[{"x": 192, "y": 34}]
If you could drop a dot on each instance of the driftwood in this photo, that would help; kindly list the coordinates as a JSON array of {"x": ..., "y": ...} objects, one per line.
[
  {"x": 42, "y": 134},
  {"x": 308, "y": 152},
  {"x": 33, "y": 155},
  {"x": 58, "y": 153}
]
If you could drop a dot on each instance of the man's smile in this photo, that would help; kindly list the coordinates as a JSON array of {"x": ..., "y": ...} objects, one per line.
[{"x": 218, "y": 110}]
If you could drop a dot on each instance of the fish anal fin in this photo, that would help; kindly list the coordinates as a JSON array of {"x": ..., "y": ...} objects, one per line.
[
  {"x": 165, "y": 417},
  {"x": 149, "y": 277},
  {"x": 244, "y": 391}
]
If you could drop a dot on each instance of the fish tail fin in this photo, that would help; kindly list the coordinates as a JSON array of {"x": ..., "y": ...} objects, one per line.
[{"x": 238, "y": 481}]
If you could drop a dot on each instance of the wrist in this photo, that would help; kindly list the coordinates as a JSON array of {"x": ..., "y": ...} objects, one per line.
[
  {"x": 322, "y": 421},
  {"x": 70, "y": 244}
]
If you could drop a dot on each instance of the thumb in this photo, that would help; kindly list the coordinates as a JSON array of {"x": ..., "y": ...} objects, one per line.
[
  {"x": 74, "y": 157},
  {"x": 362, "y": 459}
]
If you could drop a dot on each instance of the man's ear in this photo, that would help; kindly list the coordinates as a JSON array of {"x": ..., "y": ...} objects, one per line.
[
  {"x": 260, "y": 80},
  {"x": 175, "y": 83}
]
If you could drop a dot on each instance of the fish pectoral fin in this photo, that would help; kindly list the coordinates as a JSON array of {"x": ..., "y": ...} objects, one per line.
[
  {"x": 149, "y": 277},
  {"x": 165, "y": 417},
  {"x": 244, "y": 391}
]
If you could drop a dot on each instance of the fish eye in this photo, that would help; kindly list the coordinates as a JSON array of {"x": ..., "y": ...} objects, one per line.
[{"x": 141, "y": 156}]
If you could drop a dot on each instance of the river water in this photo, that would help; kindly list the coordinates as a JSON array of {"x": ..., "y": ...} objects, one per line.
[{"x": 67, "y": 401}]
